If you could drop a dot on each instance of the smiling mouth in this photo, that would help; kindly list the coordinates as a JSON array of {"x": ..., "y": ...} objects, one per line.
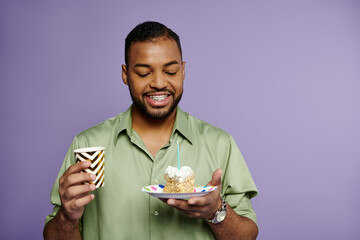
[{"x": 158, "y": 98}]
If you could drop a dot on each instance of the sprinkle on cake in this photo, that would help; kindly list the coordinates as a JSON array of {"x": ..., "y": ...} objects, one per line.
[{"x": 179, "y": 181}]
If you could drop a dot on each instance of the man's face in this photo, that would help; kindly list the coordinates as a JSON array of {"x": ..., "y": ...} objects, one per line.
[{"x": 155, "y": 75}]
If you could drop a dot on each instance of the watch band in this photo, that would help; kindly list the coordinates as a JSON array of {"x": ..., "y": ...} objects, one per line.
[{"x": 219, "y": 214}]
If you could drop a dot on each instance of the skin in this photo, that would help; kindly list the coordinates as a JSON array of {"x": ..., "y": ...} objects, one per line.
[
  {"x": 154, "y": 68},
  {"x": 74, "y": 196},
  {"x": 156, "y": 56},
  {"x": 232, "y": 227}
]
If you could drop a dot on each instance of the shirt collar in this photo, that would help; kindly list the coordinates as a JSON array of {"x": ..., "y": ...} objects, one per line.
[
  {"x": 181, "y": 124},
  {"x": 124, "y": 124}
]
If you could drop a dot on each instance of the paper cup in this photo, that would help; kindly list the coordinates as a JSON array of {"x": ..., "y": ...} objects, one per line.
[{"x": 96, "y": 155}]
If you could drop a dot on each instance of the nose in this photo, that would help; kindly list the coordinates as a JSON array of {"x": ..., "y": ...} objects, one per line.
[{"x": 158, "y": 81}]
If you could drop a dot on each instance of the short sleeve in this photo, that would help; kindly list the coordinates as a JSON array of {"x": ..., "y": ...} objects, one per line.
[{"x": 238, "y": 185}]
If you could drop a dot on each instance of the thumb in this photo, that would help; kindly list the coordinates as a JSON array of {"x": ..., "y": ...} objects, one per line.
[{"x": 216, "y": 178}]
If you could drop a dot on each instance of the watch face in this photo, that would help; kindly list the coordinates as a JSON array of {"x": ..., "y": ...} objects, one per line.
[{"x": 221, "y": 216}]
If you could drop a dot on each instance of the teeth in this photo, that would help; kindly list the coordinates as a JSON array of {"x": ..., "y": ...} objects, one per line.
[{"x": 158, "y": 97}]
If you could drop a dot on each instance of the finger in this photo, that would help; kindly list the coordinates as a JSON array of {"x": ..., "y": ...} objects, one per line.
[
  {"x": 78, "y": 167},
  {"x": 191, "y": 211},
  {"x": 216, "y": 178},
  {"x": 75, "y": 168},
  {"x": 192, "y": 203},
  {"x": 184, "y": 206},
  {"x": 81, "y": 202},
  {"x": 177, "y": 203},
  {"x": 74, "y": 209},
  {"x": 164, "y": 200},
  {"x": 77, "y": 178},
  {"x": 199, "y": 201},
  {"x": 78, "y": 191},
  {"x": 206, "y": 200}
]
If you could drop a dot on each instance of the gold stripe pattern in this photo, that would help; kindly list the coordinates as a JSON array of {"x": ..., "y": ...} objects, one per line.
[{"x": 97, "y": 167}]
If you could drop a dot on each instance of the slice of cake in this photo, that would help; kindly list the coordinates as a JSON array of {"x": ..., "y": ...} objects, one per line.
[{"x": 179, "y": 181}]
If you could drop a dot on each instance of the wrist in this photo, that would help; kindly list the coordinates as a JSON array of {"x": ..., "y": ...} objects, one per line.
[
  {"x": 220, "y": 213},
  {"x": 66, "y": 220},
  {"x": 219, "y": 206}
]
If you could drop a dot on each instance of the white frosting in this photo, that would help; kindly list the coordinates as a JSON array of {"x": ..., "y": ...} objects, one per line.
[{"x": 181, "y": 175}]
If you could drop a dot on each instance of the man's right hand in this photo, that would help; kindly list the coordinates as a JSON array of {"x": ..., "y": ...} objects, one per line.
[{"x": 74, "y": 194}]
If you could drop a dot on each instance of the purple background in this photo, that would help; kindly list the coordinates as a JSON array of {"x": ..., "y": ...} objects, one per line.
[{"x": 281, "y": 77}]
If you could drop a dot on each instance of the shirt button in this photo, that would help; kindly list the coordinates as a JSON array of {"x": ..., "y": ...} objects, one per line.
[
  {"x": 156, "y": 213},
  {"x": 156, "y": 181}
]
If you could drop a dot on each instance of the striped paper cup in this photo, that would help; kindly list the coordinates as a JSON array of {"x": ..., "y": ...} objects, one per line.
[{"x": 96, "y": 155}]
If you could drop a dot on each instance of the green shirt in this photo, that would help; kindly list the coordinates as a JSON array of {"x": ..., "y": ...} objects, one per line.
[{"x": 121, "y": 210}]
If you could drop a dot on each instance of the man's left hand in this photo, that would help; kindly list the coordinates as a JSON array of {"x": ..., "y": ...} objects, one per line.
[{"x": 201, "y": 207}]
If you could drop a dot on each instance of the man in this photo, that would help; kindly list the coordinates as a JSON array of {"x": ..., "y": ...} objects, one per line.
[{"x": 140, "y": 143}]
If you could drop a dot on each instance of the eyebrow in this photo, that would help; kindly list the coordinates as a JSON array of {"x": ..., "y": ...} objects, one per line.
[
  {"x": 148, "y": 66},
  {"x": 171, "y": 63},
  {"x": 141, "y": 65}
]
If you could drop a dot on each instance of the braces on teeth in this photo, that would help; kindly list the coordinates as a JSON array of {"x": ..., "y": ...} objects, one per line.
[{"x": 158, "y": 97}]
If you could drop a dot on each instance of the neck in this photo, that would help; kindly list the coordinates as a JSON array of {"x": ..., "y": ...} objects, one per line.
[{"x": 143, "y": 124}]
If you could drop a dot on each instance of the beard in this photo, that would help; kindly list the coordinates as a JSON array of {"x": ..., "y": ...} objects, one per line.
[{"x": 144, "y": 109}]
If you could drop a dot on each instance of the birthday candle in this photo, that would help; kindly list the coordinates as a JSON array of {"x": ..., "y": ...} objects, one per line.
[{"x": 178, "y": 155}]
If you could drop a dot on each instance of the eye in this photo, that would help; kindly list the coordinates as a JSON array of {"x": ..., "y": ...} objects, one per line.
[
  {"x": 171, "y": 73},
  {"x": 142, "y": 74}
]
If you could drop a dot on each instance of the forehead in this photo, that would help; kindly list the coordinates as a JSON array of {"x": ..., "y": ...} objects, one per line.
[{"x": 157, "y": 50}]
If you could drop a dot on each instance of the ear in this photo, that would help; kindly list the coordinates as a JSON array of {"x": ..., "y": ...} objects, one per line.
[
  {"x": 183, "y": 69},
  {"x": 124, "y": 74}
]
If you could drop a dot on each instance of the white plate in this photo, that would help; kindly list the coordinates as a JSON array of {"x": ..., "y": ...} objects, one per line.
[{"x": 157, "y": 191}]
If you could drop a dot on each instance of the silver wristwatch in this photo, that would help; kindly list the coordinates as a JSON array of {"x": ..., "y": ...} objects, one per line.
[{"x": 219, "y": 214}]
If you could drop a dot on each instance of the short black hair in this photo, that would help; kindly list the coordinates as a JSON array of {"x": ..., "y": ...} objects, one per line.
[{"x": 149, "y": 31}]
